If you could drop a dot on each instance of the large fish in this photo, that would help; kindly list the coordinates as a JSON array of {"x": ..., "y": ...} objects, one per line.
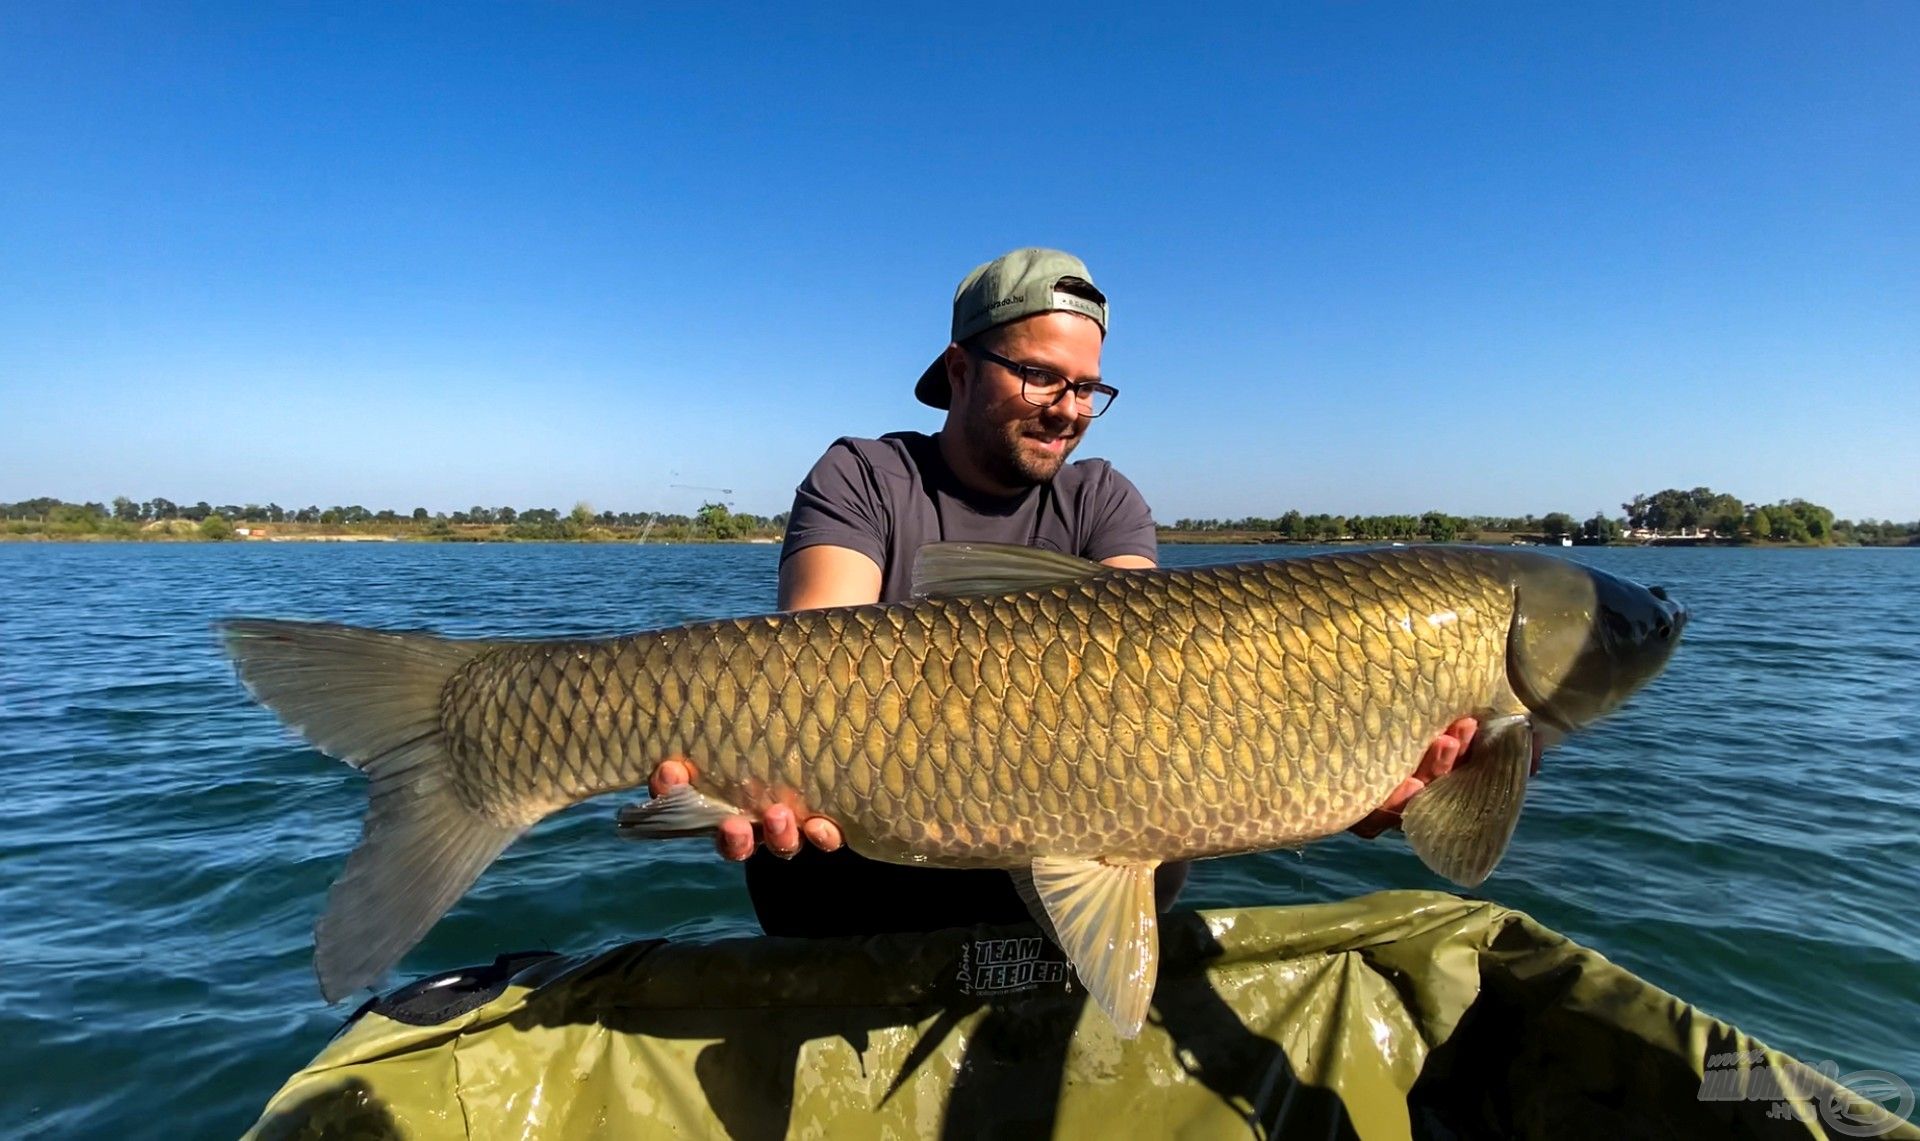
[{"x": 1074, "y": 724}]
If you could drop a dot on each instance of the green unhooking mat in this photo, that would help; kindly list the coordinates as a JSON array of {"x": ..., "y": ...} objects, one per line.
[{"x": 1397, "y": 1015}]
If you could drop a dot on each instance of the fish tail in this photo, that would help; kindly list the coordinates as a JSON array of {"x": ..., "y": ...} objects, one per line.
[{"x": 372, "y": 699}]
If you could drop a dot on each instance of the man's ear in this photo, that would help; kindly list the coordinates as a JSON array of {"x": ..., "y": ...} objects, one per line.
[{"x": 959, "y": 370}]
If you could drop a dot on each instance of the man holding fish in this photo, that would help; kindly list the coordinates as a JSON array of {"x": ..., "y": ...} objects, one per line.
[
  {"x": 1020, "y": 383},
  {"x": 1065, "y": 720}
]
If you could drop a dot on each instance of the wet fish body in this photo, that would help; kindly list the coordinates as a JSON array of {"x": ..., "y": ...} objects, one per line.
[{"x": 1073, "y": 724}]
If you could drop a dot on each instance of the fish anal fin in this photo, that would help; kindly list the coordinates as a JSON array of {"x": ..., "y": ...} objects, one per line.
[
  {"x": 1460, "y": 824},
  {"x": 680, "y": 811},
  {"x": 945, "y": 570},
  {"x": 1103, "y": 916}
]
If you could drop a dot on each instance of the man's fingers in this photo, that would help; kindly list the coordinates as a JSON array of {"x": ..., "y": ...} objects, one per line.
[
  {"x": 1388, "y": 814},
  {"x": 1446, "y": 750},
  {"x": 668, "y": 774},
  {"x": 1443, "y": 752},
  {"x": 780, "y": 831},
  {"x": 734, "y": 839},
  {"x": 822, "y": 833}
]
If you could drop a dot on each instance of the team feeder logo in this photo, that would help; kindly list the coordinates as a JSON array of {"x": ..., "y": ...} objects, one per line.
[{"x": 1008, "y": 966}]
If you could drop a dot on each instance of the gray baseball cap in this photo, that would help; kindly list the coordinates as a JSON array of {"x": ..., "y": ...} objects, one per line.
[{"x": 1010, "y": 287}]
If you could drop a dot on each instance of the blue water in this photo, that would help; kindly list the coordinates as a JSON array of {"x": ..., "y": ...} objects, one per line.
[{"x": 1743, "y": 834}]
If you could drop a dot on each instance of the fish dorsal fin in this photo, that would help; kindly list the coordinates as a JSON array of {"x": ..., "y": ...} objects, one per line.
[
  {"x": 1102, "y": 915},
  {"x": 945, "y": 570},
  {"x": 1460, "y": 824}
]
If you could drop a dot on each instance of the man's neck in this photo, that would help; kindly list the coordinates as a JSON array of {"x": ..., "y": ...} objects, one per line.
[{"x": 968, "y": 472}]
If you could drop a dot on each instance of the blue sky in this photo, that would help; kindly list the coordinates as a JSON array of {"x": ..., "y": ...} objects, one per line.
[{"x": 1362, "y": 258}]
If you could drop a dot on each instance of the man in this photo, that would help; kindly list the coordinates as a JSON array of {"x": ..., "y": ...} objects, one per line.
[{"x": 1020, "y": 383}]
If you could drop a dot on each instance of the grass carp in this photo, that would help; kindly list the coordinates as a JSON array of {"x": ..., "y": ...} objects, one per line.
[{"x": 1074, "y": 724}]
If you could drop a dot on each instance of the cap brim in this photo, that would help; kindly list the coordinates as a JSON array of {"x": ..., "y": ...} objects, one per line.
[{"x": 932, "y": 388}]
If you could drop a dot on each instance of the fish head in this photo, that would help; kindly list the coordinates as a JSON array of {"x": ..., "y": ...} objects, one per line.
[{"x": 1582, "y": 640}]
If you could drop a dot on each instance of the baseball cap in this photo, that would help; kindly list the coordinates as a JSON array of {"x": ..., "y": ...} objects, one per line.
[{"x": 1012, "y": 286}]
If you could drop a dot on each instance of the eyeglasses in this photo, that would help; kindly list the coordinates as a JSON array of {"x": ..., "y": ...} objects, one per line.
[{"x": 1044, "y": 387}]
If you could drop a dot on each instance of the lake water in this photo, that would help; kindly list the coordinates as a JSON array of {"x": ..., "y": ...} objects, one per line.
[{"x": 1743, "y": 834}]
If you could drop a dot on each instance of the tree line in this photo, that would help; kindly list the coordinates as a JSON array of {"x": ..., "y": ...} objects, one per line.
[
  {"x": 1700, "y": 513},
  {"x": 127, "y": 516}
]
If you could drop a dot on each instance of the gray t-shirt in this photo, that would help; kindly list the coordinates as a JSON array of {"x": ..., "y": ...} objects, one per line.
[{"x": 889, "y": 497}]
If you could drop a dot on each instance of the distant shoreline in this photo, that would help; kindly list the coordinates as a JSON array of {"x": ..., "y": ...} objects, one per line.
[
  {"x": 1494, "y": 539},
  {"x": 611, "y": 536}
]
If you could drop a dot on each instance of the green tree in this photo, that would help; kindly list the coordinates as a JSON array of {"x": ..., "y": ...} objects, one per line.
[
  {"x": 715, "y": 520},
  {"x": 125, "y": 510},
  {"x": 1439, "y": 526},
  {"x": 420, "y": 515},
  {"x": 1556, "y": 524},
  {"x": 216, "y": 527},
  {"x": 1600, "y": 528}
]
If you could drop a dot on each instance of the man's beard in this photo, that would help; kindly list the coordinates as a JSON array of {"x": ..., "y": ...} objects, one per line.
[{"x": 997, "y": 448}]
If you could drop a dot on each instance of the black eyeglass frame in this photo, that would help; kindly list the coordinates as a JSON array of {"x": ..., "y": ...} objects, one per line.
[{"x": 1084, "y": 392}]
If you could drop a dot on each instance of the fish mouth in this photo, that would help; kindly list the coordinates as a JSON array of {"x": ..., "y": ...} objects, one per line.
[{"x": 1676, "y": 613}]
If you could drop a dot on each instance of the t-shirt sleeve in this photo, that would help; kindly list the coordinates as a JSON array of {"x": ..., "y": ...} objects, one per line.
[
  {"x": 838, "y": 505},
  {"x": 1122, "y": 522}
]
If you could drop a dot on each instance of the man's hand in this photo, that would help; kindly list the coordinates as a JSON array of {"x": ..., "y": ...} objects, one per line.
[
  {"x": 1445, "y": 752},
  {"x": 780, "y": 829}
]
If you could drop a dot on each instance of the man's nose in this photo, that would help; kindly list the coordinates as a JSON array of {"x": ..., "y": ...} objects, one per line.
[{"x": 1065, "y": 406}]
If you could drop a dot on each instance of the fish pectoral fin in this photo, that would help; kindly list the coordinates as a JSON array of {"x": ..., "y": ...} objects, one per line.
[
  {"x": 945, "y": 570},
  {"x": 681, "y": 811},
  {"x": 1103, "y": 916},
  {"x": 1460, "y": 824}
]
